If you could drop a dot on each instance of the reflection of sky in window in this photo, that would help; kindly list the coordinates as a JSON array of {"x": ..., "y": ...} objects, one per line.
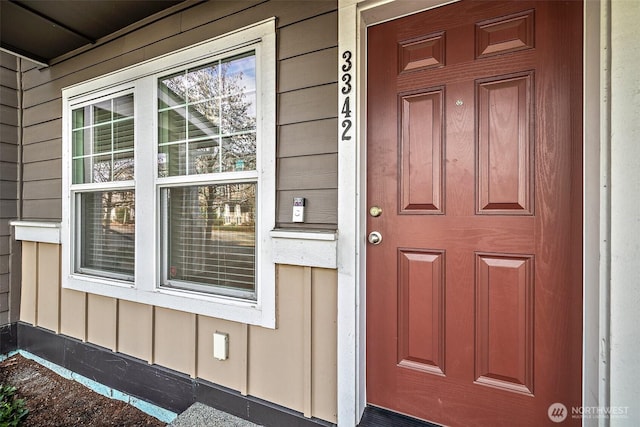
[
  {"x": 238, "y": 76},
  {"x": 246, "y": 69}
]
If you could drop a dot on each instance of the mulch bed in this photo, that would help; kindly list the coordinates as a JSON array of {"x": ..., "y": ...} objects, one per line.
[{"x": 56, "y": 401}]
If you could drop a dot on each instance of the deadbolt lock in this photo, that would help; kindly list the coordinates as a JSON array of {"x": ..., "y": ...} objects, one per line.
[{"x": 375, "y": 211}]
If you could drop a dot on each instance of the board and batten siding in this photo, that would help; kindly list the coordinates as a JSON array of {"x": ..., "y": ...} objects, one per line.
[
  {"x": 306, "y": 111},
  {"x": 9, "y": 144},
  {"x": 294, "y": 366}
]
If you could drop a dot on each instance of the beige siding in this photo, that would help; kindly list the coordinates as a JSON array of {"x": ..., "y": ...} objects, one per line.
[
  {"x": 48, "y": 304},
  {"x": 135, "y": 330},
  {"x": 232, "y": 372},
  {"x": 294, "y": 365},
  {"x": 324, "y": 354},
  {"x": 175, "y": 330},
  {"x": 280, "y": 352},
  {"x": 102, "y": 325},
  {"x": 307, "y": 79},
  {"x": 29, "y": 289},
  {"x": 73, "y": 314}
]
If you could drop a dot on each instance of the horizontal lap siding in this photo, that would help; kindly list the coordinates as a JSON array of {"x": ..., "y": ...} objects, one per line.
[
  {"x": 8, "y": 174},
  {"x": 307, "y": 98},
  {"x": 307, "y": 121}
]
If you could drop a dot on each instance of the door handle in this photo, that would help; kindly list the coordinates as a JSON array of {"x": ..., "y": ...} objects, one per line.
[{"x": 375, "y": 238}]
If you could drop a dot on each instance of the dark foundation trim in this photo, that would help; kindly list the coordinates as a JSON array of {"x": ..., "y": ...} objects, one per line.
[
  {"x": 8, "y": 338},
  {"x": 163, "y": 387}
]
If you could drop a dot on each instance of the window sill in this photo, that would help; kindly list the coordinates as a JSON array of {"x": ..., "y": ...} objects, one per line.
[
  {"x": 37, "y": 231},
  {"x": 305, "y": 248}
]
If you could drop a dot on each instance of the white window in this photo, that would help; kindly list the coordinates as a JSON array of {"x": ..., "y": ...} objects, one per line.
[
  {"x": 169, "y": 180},
  {"x": 102, "y": 186}
]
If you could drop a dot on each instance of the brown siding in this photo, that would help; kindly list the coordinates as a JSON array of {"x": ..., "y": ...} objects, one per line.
[
  {"x": 8, "y": 183},
  {"x": 307, "y": 79}
]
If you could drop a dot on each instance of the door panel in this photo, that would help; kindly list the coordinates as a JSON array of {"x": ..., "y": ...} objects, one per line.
[
  {"x": 421, "y": 296},
  {"x": 421, "y": 152},
  {"x": 474, "y": 295},
  {"x": 505, "y": 145}
]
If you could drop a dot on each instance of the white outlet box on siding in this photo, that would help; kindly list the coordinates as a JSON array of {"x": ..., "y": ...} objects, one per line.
[{"x": 220, "y": 346}]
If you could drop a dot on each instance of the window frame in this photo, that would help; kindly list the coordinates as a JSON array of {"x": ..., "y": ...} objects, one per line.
[
  {"x": 142, "y": 78},
  {"x": 77, "y": 190}
]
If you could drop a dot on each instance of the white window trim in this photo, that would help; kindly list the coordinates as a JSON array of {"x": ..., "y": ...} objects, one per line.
[{"x": 142, "y": 77}]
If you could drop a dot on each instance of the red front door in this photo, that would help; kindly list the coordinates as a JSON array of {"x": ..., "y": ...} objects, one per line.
[{"x": 474, "y": 148}]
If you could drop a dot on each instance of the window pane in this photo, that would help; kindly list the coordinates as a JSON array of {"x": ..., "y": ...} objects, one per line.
[
  {"x": 103, "y": 133},
  {"x": 239, "y": 113},
  {"x": 209, "y": 238},
  {"x": 101, "y": 168},
  {"x": 107, "y": 234},
  {"x": 215, "y": 101},
  {"x": 82, "y": 170},
  {"x": 239, "y": 153},
  {"x": 102, "y": 112},
  {"x": 123, "y": 135},
  {"x": 204, "y": 119},
  {"x": 123, "y": 107},
  {"x": 78, "y": 117},
  {"x": 102, "y": 138},
  {"x": 172, "y": 125},
  {"x": 171, "y": 160},
  {"x": 239, "y": 73},
  {"x": 204, "y": 156},
  {"x": 172, "y": 91},
  {"x": 81, "y": 141},
  {"x": 203, "y": 83},
  {"x": 123, "y": 166}
]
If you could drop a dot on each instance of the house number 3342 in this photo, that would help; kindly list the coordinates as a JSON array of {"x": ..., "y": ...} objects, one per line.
[{"x": 345, "y": 112}]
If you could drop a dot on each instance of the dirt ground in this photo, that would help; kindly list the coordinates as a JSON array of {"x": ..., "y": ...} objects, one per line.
[{"x": 56, "y": 401}]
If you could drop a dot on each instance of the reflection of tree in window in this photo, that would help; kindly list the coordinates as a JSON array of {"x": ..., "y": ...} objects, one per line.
[{"x": 207, "y": 118}]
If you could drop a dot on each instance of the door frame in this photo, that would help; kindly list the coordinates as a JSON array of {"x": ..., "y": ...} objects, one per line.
[{"x": 354, "y": 16}]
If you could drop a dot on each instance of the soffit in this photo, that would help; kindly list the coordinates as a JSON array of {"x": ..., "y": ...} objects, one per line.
[{"x": 42, "y": 30}]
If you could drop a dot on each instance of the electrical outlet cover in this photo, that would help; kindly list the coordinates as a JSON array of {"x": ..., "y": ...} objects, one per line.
[{"x": 221, "y": 346}]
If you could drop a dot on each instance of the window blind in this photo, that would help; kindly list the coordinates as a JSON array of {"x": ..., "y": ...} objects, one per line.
[
  {"x": 107, "y": 238},
  {"x": 210, "y": 234}
]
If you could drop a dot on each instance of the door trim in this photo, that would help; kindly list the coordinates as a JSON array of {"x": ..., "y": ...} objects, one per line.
[{"x": 354, "y": 16}]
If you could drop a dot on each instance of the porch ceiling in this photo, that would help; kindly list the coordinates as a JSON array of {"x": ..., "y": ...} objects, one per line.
[{"x": 42, "y": 30}]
